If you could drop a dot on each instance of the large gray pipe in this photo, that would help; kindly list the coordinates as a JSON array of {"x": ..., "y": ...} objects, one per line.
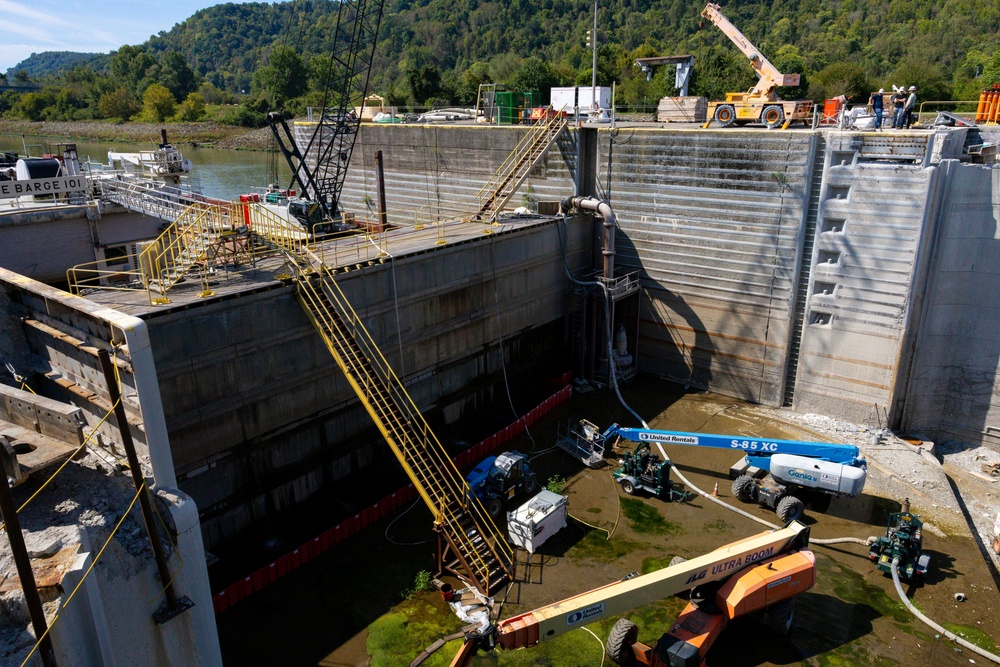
[{"x": 604, "y": 209}]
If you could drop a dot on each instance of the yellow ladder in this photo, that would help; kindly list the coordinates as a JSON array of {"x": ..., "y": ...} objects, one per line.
[
  {"x": 515, "y": 169},
  {"x": 469, "y": 542}
]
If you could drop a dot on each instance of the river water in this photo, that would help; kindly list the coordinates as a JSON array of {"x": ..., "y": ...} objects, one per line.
[{"x": 224, "y": 174}]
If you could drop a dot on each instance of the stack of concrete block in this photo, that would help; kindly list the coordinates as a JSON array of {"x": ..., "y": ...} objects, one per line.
[{"x": 682, "y": 110}]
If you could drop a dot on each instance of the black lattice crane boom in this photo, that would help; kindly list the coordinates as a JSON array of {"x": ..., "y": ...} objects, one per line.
[{"x": 320, "y": 167}]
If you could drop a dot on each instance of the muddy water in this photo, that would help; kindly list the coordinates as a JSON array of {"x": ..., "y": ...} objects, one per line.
[{"x": 319, "y": 615}]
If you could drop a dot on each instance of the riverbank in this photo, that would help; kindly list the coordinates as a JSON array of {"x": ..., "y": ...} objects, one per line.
[{"x": 197, "y": 134}]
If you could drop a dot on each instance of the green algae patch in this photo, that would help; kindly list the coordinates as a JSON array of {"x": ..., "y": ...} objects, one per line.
[
  {"x": 646, "y": 519},
  {"x": 851, "y": 655},
  {"x": 397, "y": 637},
  {"x": 851, "y": 587},
  {"x": 595, "y": 545},
  {"x": 653, "y": 564},
  {"x": 720, "y": 526},
  {"x": 973, "y": 635},
  {"x": 593, "y": 510}
]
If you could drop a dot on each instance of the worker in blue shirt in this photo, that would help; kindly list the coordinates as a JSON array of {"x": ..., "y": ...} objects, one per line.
[{"x": 876, "y": 103}]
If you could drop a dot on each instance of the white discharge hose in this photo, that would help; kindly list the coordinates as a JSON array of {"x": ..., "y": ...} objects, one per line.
[
  {"x": 687, "y": 483},
  {"x": 937, "y": 628}
]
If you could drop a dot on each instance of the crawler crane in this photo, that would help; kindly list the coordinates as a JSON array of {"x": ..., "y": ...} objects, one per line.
[{"x": 760, "y": 103}]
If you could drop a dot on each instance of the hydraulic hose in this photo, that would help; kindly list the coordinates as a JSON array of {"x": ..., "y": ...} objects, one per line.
[{"x": 937, "y": 628}]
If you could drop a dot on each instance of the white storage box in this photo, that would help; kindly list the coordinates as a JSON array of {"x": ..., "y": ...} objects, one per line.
[{"x": 537, "y": 520}]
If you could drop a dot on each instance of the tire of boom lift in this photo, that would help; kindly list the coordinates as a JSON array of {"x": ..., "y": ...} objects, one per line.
[
  {"x": 780, "y": 615},
  {"x": 743, "y": 488},
  {"x": 620, "y": 640},
  {"x": 628, "y": 487},
  {"x": 789, "y": 508}
]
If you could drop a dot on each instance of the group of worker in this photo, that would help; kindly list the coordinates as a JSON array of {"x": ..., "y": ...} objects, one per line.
[{"x": 903, "y": 102}]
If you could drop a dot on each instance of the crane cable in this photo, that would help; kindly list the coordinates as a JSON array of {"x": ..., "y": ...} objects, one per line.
[{"x": 937, "y": 628}]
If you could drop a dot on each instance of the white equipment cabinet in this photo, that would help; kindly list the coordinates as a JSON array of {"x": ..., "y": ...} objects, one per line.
[{"x": 537, "y": 520}]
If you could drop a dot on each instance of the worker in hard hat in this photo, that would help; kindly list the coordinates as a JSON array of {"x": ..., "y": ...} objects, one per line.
[
  {"x": 911, "y": 101},
  {"x": 898, "y": 100},
  {"x": 876, "y": 103}
]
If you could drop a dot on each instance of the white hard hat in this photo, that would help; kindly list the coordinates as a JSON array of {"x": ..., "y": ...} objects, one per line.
[
  {"x": 881, "y": 90},
  {"x": 913, "y": 87}
]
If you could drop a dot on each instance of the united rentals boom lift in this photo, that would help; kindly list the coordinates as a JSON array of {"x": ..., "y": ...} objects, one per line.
[
  {"x": 762, "y": 572},
  {"x": 760, "y": 103},
  {"x": 803, "y": 471}
]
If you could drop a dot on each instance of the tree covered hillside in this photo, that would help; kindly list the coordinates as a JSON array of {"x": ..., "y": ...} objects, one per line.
[{"x": 435, "y": 52}]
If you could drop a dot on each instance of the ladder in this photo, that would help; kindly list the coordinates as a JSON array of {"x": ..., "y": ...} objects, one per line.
[
  {"x": 469, "y": 544},
  {"x": 515, "y": 169}
]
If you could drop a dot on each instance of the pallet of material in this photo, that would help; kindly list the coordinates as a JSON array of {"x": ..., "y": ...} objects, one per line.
[{"x": 682, "y": 110}]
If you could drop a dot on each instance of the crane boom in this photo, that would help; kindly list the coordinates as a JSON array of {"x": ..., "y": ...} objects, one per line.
[
  {"x": 613, "y": 599},
  {"x": 320, "y": 167},
  {"x": 770, "y": 77}
]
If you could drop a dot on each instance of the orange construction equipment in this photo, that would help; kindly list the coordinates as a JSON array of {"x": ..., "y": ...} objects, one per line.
[{"x": 763, "y": 571}]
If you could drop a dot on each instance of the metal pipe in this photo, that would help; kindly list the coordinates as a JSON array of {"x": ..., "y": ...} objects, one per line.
[
  {"x": 23, "y": 563},
  {"x": 610, "y": 222},
  {"x": 137, "y": 478},
  {"x": 380, "y": 178}
]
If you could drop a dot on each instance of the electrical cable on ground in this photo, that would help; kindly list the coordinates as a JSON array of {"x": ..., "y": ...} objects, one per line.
[
  {"x": 85, "y": 574},
  {"x": 937, "y": 628},
  {"x": 599, "y": 641},
  {"x": 401, "y": 515}
]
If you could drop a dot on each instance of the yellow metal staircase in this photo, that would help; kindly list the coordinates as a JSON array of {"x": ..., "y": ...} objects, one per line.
[
  {"x": 515, "y": 169},
  {"x": 469, "y": 542},
  {"x": 183, "y": 245}
]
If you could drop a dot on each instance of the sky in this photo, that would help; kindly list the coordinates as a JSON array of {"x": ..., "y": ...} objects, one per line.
[{"x": 91, "y": 26}]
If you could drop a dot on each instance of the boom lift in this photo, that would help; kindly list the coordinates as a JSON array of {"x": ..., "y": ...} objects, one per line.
[
  {"x": 321, "y": 167},
  {"x": 813, "y": 471},
  {"x": 759, "y": 572},
  {"x": 760, "y": 103}
]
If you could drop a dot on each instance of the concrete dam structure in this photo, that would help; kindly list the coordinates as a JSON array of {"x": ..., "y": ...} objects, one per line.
[
  {"x": 830, "y": 271},
  {"x": 835, "y": 272}
]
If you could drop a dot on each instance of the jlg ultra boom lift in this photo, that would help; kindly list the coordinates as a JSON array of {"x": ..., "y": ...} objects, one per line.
[
  {"x": 760, "y": 572},
  {"x": 761, "y": 103}
]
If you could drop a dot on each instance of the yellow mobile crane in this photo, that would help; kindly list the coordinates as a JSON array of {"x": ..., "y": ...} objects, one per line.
[{"x": 760, "y": 103}]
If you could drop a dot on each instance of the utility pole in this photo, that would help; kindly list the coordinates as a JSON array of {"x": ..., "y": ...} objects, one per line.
[{"x": 593, "y": 69}]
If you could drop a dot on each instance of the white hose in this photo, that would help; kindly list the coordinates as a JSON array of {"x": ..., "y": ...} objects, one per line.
[
  {"x": 827, "y": 541},
  {"x": 937, "y": 628}
]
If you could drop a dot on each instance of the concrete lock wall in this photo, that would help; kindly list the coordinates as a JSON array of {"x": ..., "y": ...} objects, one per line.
[
  {"x": 870, "y": 239},
  {"x": 952, "y": 389},
  {"x": 712, "y": 221},
  {"x": 435, "y": 172},
  {"x": 261, "y": 417}
]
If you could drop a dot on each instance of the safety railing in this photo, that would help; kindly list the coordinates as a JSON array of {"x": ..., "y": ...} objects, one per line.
[
  {"x": 515, "y": 168},
  {"x": 118, "y": 274},
  {"x": 271, "y": 228},
  {"x": 964, "y": 109},
  {"x": 182, "y": 247}
]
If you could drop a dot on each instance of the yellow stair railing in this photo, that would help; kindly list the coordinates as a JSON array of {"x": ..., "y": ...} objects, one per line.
[
  {"x": 515, "y": 169},
  {"x": 273, "y": 229},
  {"x": 182, "y": 246},
  {"x": 468, "y": 532}
]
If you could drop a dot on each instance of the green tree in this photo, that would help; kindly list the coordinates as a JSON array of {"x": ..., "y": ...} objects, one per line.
[
  {"x": 192, "y": 108},
  {"x": 130, "y": 65},
  {"x": 176, "y": 75},
  {"x": 841, "y": 78},
  {"x": 927, "y": 77},
  {"x": 211, "y": 93},
  {"x": 425, "y": 83},
  {"x": 32, "y": 106},
  {"x": 118, "y": 104},
  {"x": 284, "y": 78},
  {"x": 21, "y": 76},
  {"x": 158, "y": 103},
  {"x": 534, "y": 74}
]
